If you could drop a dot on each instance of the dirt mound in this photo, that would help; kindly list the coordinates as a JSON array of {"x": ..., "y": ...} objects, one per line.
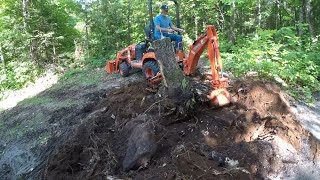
[{"x": 252, "y": 139}]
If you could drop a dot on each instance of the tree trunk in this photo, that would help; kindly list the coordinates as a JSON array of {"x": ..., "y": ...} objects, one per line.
[
  {"x": 196, "y": 27},
  {"x": 178, "y": 89},
  {"x": 24, "y": 13},
  {"x": 259, "y": 14},
  {"x": 222, "y": 17},
  {"x": 280, "y": 14},
  {"x": 232, "y": 37},
  {"x": 86, "y": 29},
  {"x": 129, "y": 30},
  {"x": 277, "y": 15},
  {"x": 301, "y": 20},
  {"x": 54, "y": 54},
  {"x": 308, "y": 9},
  {"x": 2, "y": 60}
]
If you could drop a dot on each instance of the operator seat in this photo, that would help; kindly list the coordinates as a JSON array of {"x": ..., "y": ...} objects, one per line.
[
  {"x": 149, "y": 36},
  {"x": 149, "y": 32}
]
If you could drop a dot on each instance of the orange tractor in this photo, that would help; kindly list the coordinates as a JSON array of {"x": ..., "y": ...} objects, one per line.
[{"x": 142, "y": 56}]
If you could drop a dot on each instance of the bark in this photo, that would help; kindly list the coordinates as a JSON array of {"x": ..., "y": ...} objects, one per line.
[
  {"x": 54, "y": 54},
  {"x": 86, "y": 28},
  {"x": 129, "y": 25},
  {"x": 259, "y": 14},
  {"x": 24, "y": 12},
  {"x": 232, "y": 37},
  {"x": 222, "y": 17},
  {"x": 179, "y": 89},
  {"x": 2, "y": 59},
  {"x": 196, "y": 27},
  {"x": 277, "y": 16},
  {"x": 307, "y": 13},
  {"x": 301, "y": 19},
  {"x": 280, "y": 14}
]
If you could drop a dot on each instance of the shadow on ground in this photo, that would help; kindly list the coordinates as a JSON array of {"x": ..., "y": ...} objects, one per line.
[{"x": 31, "y": 130}]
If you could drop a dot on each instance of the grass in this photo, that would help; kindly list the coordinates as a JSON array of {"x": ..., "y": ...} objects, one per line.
[
  {"x": 18, "y": 123},
  {"x": 84, "y": 77},
  {"x": 37, "y": 100}
]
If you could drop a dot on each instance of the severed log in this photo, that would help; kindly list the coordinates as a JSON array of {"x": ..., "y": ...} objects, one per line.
[{"x": 178, "y": 88}]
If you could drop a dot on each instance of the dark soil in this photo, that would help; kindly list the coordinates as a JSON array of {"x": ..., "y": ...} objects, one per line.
[{"x": 234, "y": 142}]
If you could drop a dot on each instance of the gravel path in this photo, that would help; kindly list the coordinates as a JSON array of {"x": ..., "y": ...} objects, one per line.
[
  {"x": 309, "y": 116},
  {"x": 41, "y": 84}
]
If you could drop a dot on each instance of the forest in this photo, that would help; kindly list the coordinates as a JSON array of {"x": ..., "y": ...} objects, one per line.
[
  {"x": 62, "y": 116},
  {"x": 277, "y": 39}
]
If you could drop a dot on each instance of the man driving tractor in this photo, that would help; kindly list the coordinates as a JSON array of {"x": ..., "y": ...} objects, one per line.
[
  {"x": 162, "y": 22},
  {"x": 138, "y": 57}
]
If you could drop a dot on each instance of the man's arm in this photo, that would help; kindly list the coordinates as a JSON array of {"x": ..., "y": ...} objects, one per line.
[
  {"x": 163, "y": 29},
  {"x": 177, "y": 29}
]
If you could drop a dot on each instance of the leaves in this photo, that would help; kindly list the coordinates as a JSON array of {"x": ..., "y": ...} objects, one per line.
[
  {"x": 57, "y": 32},
  {"x": 277, "y": 59}
]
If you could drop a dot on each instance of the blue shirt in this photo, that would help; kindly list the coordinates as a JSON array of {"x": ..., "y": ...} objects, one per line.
[{"x": 163, "y": 22}]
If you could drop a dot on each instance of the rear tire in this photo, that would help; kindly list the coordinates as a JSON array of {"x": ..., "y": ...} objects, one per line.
[
  {"x": 150, "y": 69},
  {"x": 124, "y": 69}
]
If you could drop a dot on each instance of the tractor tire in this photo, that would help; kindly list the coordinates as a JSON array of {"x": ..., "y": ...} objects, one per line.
[
  {"x": 150, "y": 69},
  {"x": 124, "y": 69}
]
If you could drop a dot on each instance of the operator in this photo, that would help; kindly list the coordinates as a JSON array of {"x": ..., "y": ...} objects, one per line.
[{"x": 162, "y": 22}]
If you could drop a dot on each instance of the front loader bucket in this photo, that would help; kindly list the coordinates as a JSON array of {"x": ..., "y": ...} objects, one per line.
[{"x": 112, "y": 67}]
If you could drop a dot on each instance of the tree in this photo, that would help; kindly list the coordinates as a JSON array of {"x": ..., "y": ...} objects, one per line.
[
  {"x": 177, "y": 89},
  {"x": 232, "y": 23}
]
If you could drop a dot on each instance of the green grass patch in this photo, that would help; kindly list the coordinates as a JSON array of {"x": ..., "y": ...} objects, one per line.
[
  {"x": 23, "y": 127},
  {"x": 83, "y": 77},
  {"x": 37, "y": 100}
]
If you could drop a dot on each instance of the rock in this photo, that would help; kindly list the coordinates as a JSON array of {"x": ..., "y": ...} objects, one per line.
[
  {"x": 218, "y": 157},
  {"x": 15, "y": 162},
  {"x": 141, "y": 147}
]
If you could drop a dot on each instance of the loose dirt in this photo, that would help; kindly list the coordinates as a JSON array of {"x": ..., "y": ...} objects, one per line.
[{"x": 256, "y": 137}]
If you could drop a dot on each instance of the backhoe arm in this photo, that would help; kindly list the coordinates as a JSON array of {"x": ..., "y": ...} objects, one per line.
[{"x": 209, "y": 39}]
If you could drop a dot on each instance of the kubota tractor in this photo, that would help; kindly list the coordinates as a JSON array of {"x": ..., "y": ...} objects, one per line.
[{"x": 142, "y": 56}]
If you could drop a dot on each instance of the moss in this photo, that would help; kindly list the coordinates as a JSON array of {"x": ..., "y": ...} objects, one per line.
[
  {"x": 41, "y": 139},
  {"x": 25, "y": 127}
]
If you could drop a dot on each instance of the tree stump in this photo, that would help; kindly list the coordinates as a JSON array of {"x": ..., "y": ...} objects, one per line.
[{"x": 177, "y": 87}]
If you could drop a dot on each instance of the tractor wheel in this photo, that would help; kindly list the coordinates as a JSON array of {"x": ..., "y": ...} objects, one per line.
[
  {"x": 124, "y": 69},
  {"x": 150, "y": 69}
]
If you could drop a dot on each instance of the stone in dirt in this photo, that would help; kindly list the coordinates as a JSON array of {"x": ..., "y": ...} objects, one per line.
[{"x": 141, "y": 146}]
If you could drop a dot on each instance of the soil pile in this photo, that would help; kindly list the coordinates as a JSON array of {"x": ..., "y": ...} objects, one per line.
[{"x": 255, "y": 138}]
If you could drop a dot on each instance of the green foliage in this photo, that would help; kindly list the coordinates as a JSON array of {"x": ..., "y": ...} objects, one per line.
[
  {"x": 17, "y": 75},
  {"x": 274, "y": 55},
  {"x": 29, "y": 43},
  {"x": 98, "y": 62},
  {"x": 270, "y": 37}
]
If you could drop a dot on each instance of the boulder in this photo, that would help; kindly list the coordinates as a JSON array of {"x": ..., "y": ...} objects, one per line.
[{"x": 141, "y": 147}]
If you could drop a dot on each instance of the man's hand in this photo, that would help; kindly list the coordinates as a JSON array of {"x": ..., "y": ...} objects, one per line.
[
  {"x": 170, "y": 30},
  {"x": 181, "y": 30}
]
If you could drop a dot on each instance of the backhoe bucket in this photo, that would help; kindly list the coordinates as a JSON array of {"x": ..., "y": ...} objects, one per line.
[
  {"x": 111, "y": 67},
  {"x": 219, "y": 97}
]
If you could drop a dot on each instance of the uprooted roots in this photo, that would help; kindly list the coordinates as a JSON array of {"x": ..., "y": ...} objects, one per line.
[{"x": 241, "y": 141}]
